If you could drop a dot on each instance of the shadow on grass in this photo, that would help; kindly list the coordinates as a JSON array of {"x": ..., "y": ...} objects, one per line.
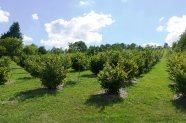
[
  {"x": 180, "y": 103},
  {"x": 14, "y": 68},
  {"x": 39, "y": 92},
  {"x": 20, "y": 73},
  {"x": 103, "y": 99},
  {"x": 25, "y": 78},
  {"x": 89, "y": 76}
]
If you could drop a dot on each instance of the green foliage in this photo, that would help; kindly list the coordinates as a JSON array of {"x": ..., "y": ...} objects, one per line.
[
  {"x": 42, "y": 50},
  {"x": 56, "y": 51},
  {"x": 130, "y": 67},
  {"x": 112, "y": 78},
  {"x": 97, "y": 62},
  {"x": 4, "y": 70},
  {"x": 53, "y": 73},
  {"x": 114, "y": 57},
  {"x": 79, "y": 46},
  {"x": 79, "y": 61},
  {"x": 34, "y": 65},
  {"x": 177, "y": 70},
  {"x": 93, "y": 50},
  {"x": 4, "y": 75},
  {"x": 2, "y": 51},
  {"x": 14, "y": 32},
  {"x": 5, "y": 62},
  {"x": 30, "y": 49},
  {"x": 132, "y": 46},
  {"x": 13, "y": 46},
  {"x": 181, "y": 44}
]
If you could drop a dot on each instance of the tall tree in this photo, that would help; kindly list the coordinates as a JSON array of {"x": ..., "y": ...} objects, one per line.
[
  {"x": 14, "y": 32},
  {"x": 42, "y": 50},
  {"x": 55, "y": 50},
  {"x": 77, "y": 46},
  {"x": 181, "y": 44},
  {"x": 132, "y": 46},
  {"x": 166, "y": 45}
]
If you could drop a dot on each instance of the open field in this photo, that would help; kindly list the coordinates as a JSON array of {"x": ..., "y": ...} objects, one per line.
[{"x": 150, "y": 100}]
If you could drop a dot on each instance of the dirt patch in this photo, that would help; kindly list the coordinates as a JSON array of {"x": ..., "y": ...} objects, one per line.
[
  {"x": 12, "y": 102},
  {"x": 122, "y": 94}
]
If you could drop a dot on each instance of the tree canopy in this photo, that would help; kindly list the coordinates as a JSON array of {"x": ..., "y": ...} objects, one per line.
[
  {"x": 11, "y": 46},
  {"x": 13, "y": 32},
  {"x": 181, "y": 44},
  {"x": 77, "y": 46}
]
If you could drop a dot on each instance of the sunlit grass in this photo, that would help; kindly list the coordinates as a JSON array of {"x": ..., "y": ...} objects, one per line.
[{"x": 150, "y": 100}]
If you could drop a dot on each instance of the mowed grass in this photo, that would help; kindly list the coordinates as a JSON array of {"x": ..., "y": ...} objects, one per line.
[{"x": 24, "y": 100}]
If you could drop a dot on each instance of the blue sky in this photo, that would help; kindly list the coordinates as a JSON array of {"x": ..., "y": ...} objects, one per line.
[{"x": 59, "y": 22}]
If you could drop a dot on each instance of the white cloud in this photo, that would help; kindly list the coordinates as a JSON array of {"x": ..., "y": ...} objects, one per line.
[
  {"x": 35, "y": 16},
  {"x": 175, "y": 27},
  {"x": 27, "y": 39},
  {"x": 160, "y": 29},
  {"x": 4, "y": 16},
  {"x": 85, "y": 28},
  {"x": 86, "y": 2},
  {"x": 150, "y": 44},
  {"x": 161, "y": 19}
]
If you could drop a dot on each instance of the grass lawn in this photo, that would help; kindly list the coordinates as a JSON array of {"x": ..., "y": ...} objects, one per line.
[{"x": 24, "y": 100}]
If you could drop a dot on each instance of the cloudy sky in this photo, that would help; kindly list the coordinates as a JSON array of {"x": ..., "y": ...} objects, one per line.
[{"x": 60, "y": 22}]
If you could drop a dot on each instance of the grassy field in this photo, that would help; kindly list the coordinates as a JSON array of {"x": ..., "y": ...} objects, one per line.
[{"x": 24, "y": 100}]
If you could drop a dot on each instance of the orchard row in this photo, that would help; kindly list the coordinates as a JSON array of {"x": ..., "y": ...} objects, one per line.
[
  {"x": 114, "y": 69},
  {"x": 177, "y": 70}
]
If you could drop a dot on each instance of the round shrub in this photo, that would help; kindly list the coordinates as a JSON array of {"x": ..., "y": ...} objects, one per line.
[
  {"x": 97, "y": 63},
  {"x": 112, "y": 78},
  {"x": 79, "y": 62},
  {"x": 53, "y": 73}
]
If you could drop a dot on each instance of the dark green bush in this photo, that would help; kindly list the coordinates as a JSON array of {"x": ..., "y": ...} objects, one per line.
[
  {"x": 112, "y": 78},
  {"x": 97, "y": 62},
  {"x": 115, "y": 57},
  {"x": 4, "y": 70},
  {"x": 79, "y": 62},
  {"x": 4, "y": 75},
  {"x": 53, "y": 73}
]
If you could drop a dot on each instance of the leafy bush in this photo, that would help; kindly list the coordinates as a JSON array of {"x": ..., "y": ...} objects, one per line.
[
  {"x": 114, "y": 57},
  {"x": 66, "y": 61},
  {"x": 4, "y": 69},
  {"x": 112, "y": 78},
  {"x": 4, "y": 75},
  {"x": 97, "y": 62},
  {"x": 177, "y": 71},
  {"x": 34, "y": 65},
  {"x": 53, "y": 73},
  {"x": 130, "y": 67},
  {"x": 5, "y": 62},
  {"x": 79, "y": 62}
]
